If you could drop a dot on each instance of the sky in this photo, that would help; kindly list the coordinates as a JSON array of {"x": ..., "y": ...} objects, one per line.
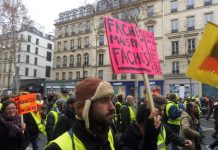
[{"x": 45, "y": 12}]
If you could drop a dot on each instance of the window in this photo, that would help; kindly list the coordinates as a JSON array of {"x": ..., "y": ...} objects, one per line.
[
  {"x": 101, "y": 40},
  {"x": 29, "y": 38},
  {"x": 36, "y": 61},
  {"x": 174, "y": 25},
  {"x": 190, "y": 23},
  {"x": 86, "y": 42},
  {"x": 48, "y": 71},
  {"x": 37, "y": 41},
  {"x": 174, "y": 6},
  {"x": 26, "y": 71},
  {"x": 150, "y": 28},
  {"x": 80, "y": 28},
  {"x": 190, "y": 4},
  {"x": 28, "y": 48},
  {"x": 150, "y": 11},
  {"x": 207, "y": 2},
  {"x": 70, "y": 75},
  {"x": 59, "y": 32},
  {"x": 86, "y": 63},
  {"x": 63, "y": 76},
  {"x": 123, "y": 76},
  {"x": 100, "y": 74},
  {"x": 65, "y": 45},
  {"x": 19, "y": 47},
  {"x": 71, "y": 60},
  {"x": 79, "y": 43},
  {"x": 101, "y": 22},
  {"x": 49, "y": 46},
  {"x": 57, "y": 76},
  {"x": 103, "y": 5},
  {"x": 101, "y": 59},
  {"x": 36, "y": 50},
  {"x": 27, "y": 59},
  {"x": 64, "y": 61},
  {"x": 208, "y": 17},
  {"x": 71, "y": 44},
  {"x": 175, "y": 67},
  {"x": 35, "y": 73},
  {"x": 11, "y": 55},
  {"x": 85, "y": 74},
  {"x": 59, "y": 46},
  {"x": 78, "y": 60},
  {"x": 78, "y": 75},
  {"x": 114, "y": 76},
  {"x": 132, "y": 76},
  {"x": 6, "y": 55},
  {"x": 48, "y": 57},
  {"x": 175, "y": 47},
  {"x": 58, "y": 62},
  {"x": 191, "y": 46},
  {"x": 18, "y": 58},
  {"x": 66, "y": 31},
  {"x": 88, "y": 26}
]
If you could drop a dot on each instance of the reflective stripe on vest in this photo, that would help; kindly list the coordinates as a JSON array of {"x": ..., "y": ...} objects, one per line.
[
  {"x": 161, "y": 139},
  {"x": 55, "y": 114},
  {"x": 132, "y": 113},
  {"x": 171, "y": 121},
  {"x": 70, "y": 142},
  {"x": 37, "y": 119}
]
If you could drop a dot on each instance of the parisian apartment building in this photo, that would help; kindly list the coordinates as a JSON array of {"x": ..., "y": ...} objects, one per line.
[
  {"x": 33, "y": 60},
  {"x": 81, "y": 50}
]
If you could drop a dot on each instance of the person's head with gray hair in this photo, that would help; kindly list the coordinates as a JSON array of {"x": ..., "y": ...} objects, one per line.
[
  {"x": 38, "y": 96},
  {"x": 130, "y": 99},
  {"x": 60, "y": 103}
]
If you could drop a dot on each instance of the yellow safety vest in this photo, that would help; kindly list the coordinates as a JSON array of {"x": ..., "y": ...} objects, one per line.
[
  {"x": 132, "y": 113},
  {"x": 69, "y": 141},
  {"x": 161, "y": 139},
  {"x": 0, "y": 106},
  {"x": 115, "y": 113},
  {"x": 55, "y": 114},
  {"x": 171, "y": 121},
  {"x": 37, "y": 119}
]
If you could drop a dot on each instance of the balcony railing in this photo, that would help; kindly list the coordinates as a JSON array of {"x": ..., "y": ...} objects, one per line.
[
  {"x": 190, "y": 6},
  {"x": 190, "y": 28},
  {"x": 175, "y": 71},
  {"x": 174, "y": 30},
  {"x": 174, "y": 10},
  {"x": 206, "y": 3},
  {"x": 175, "y": 53}
]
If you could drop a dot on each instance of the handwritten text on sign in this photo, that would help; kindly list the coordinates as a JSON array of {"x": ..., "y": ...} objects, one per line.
[
  {"x": 132, "y": 49},
  {"x": 26, "y": 103}
]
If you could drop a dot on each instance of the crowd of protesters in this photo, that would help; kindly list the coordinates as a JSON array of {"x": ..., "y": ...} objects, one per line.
[{"x": 94, "y": 119}]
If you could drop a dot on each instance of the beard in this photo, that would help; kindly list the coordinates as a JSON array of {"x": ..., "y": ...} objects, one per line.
[{"x": 101, "y": 120}]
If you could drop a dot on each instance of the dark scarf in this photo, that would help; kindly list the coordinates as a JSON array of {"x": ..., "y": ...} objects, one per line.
[{"x": 12, "y": 125}]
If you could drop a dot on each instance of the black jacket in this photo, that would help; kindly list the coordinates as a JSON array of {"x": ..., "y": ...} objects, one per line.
[
  {"x": 148, "y": 142},
  {"x": 125, "y": 117},
  {"x": 65, "y": 123},
  {"x": 50, "y": 124},
  {"x": 10, "y": 143},
  {"x": 90, "y": 141},
  {"x": 171, "y": 137},
  {"x": 132, "y": 137},
  {"x": 31, "y": 125}
]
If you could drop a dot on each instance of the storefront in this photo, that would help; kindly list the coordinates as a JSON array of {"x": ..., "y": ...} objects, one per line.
[
  {"x": 58, "y": 86},
  {"x": 128, "y": 87}
]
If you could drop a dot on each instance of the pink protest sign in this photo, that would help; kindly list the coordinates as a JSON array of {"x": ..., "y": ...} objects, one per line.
[{"x": 132, "y": 49}]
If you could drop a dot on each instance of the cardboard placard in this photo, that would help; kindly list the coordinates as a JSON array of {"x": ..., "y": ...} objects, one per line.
[{"x": 132, "y": 49}]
